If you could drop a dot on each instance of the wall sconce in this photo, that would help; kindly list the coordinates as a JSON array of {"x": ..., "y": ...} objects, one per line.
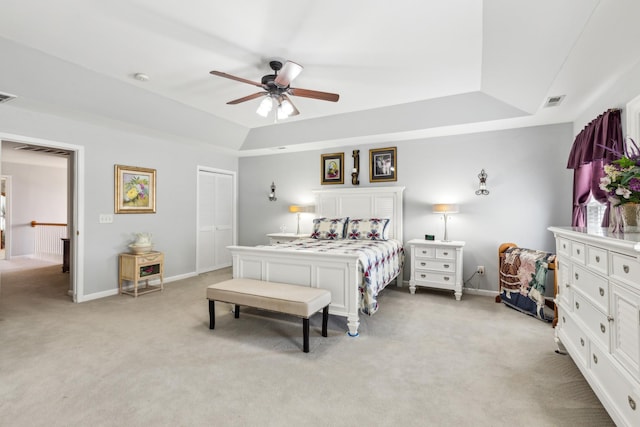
[
  {"x": 482, "y": 190},
  {"x": 272, "y": 195},
  {"x": 300, "y": 210},
  {"x": 356, "y": 167},
  {"x": 445, "y": 210}
]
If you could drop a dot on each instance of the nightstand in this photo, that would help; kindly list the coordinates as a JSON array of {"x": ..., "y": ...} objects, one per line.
[
  {"x": 275, "y": 238},
  {"x": 436, "y": 264},
  {"x": 136, "y": 267}
]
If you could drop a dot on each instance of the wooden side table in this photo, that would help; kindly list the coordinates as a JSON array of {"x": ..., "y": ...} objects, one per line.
[{"x": 136, "y": 267}]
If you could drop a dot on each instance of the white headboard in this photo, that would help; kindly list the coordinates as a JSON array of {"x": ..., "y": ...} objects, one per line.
[{"x": 363, "y": 202}]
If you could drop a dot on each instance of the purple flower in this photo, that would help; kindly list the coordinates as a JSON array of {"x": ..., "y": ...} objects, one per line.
[{"x": 634, "y": 184}]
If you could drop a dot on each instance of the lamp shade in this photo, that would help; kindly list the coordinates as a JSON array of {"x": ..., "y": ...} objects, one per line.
[
  {"x": 301, "y": 209},
  {"x": 445, "y": 208}
]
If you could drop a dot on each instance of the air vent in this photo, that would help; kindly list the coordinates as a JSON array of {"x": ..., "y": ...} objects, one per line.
[
  {"x": 554, "y": 101},
  {"x": 5, "y": 97},
  {"x": 44, "y": 150}
]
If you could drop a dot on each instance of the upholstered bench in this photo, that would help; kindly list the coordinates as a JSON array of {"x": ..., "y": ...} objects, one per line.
[{"x": 296, "y": 300}]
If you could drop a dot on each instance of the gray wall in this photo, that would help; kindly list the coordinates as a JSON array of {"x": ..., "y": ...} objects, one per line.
[
  {"x": 37, "y": 193},
  {"x": 530, "y": 190},
  {"x": 173, "y": 226}
]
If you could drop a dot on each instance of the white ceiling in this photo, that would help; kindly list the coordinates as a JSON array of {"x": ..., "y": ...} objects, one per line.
[{"x": 403, "y": 69}]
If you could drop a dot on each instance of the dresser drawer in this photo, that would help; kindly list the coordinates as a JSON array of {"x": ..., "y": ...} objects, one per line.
[
  {"x": 595, "y": 321},
  {"x": 445, "y": 253},
  {"x": 563, "y": 246},
  {"x": 425, "y": 264},
  {"x": 578, "y": 252},
  {"x": 625, "y": 268},
  {"x": 430, "y": 278},
  {"x": 151, "y": 257},
  {"x": 424, "y": 252},
  {"x": 572, "y": 337},
  {"x": 597, "y": 260},
  {"x": 594, "y": 287},
  {"x": 621, "y": 391}
]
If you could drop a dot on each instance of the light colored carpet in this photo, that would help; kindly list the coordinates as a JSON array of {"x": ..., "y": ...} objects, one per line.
[{"x": 423, "y": 359}]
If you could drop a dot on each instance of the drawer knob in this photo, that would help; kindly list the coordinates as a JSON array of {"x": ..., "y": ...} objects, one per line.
[
  {"x": 423, "y": 276},
  {"x": 632, "y": 403},
  {"x": 564, "y": 246},
  {"x": 625, "y": 268},
  {"x": 577, "y": 277},
  {"x": 595, "y": 359},
  {"x": 602, "y": 328},
  {"x": 446, "y": 278},
  {"x": 566, "y": 285},
  {"x": 582, "y": 342},
  {"x": 445, "y": 253},
  {"x": 424, "y": 252},
  {"x": 601, "y": 292},
  {"x": 564, "y": 320},
  {"x": 577, "y": 304},
  {"x": 423, "y": 264},
  {"x": 597, "y": 258},
  {"x": 446, "y": 266},
  {"x": 578, "y": 251}
]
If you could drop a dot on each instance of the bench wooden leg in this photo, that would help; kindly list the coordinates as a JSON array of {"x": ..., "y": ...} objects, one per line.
[
  {"x": 212, "y": 315},
  {"x": 305, "y": 335},
  {"x": 325, "y": 320},
  {"x": 236, "y": 313}
]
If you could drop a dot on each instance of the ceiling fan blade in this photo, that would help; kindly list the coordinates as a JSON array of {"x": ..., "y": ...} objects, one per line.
[
  {"x": 238, "y": 79},
  {"x": 295, "y": 111},
  {"x": 306, "y": 93},
  {"x": 247, "y": 98},
  {"x": 289, "y": 72}
]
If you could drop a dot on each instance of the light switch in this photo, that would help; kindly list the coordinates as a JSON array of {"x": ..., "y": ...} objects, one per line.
[{"x": 105, "y": 218}]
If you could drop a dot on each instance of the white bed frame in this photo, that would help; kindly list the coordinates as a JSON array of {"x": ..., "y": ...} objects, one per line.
[{"x": 336, "y": 273}]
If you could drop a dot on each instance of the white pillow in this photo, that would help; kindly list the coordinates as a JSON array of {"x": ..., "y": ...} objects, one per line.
[
  {"x": 329, "y": 228},
  {"x": 368, "y": 229}
]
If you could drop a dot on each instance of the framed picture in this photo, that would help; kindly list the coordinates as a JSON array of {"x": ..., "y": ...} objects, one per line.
[
  {"x": 382, "y": 165},
  {"x": 331, "y": 167},
  {"x": 135, "y": 190}
]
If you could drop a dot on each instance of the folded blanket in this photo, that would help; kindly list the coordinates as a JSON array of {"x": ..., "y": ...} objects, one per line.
[{"x": 523, "y": 278}]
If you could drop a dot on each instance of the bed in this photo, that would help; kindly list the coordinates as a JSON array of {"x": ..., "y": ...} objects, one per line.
[{"x": 341, "y": 271}]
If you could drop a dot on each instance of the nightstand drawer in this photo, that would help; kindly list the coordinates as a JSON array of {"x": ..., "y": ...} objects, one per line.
[
  {"x": 445, "y": 253},
  {"x": 430, "y": 278},
  {"x": 425, "y": 252},
  {"x": 435, "y": 265}
]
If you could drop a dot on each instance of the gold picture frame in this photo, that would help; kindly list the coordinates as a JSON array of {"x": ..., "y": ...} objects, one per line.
[
  {"x": 135, "y": 189},
  {"x": 383, "y": 165},
  {"x": 332, "y": 168}
]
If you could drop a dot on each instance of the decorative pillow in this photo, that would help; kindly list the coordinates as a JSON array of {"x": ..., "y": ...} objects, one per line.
[
  {"x": 368, "y": 229},
  {"x": 329, "y": 228}
]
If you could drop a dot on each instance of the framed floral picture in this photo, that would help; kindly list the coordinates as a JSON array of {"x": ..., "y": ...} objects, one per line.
[
  {"x": 331, "y": 167},
  {"x": 135, "y": 189},
  {"x": 382, "y": 165}
]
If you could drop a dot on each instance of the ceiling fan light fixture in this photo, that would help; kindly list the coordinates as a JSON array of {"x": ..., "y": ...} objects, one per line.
[
  {"x": 285, "y": 109},
  {"x": 265, "y": 107}
]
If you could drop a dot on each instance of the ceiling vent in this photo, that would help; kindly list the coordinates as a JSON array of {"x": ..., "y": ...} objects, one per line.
[
  {"x": 43, "y": 150},
  {"x": 5, "y": 97},
  {"x": 554, "y": 101}
]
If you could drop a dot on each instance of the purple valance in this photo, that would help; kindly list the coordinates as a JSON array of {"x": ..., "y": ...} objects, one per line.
[{"x": 599, "y": 140}]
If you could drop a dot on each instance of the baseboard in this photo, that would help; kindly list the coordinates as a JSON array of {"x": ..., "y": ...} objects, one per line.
[
  {"x": 481, "y": 292},
  {"x": 129, "y": 286}
]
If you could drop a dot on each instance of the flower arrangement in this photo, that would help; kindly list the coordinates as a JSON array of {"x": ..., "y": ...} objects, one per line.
[{"x": 622, "y": 177}]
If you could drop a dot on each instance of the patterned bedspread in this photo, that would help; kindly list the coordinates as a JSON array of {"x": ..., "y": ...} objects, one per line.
[{"x": 380, "y": 262}]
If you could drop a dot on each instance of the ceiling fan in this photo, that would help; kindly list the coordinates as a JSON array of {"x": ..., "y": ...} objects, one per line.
[{"x": 277, "y": 88}]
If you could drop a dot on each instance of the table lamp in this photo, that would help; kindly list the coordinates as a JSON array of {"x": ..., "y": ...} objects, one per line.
[
  {"x": 445, "y": 209},
  {"x": 298, "y": 209}
]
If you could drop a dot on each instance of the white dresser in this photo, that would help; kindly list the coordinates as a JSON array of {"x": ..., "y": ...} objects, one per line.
[
  {"x": 436, "y": 264},
  {"x": 598, "y": 304}
]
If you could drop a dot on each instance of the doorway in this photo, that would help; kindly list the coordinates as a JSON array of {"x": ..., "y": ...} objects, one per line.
[
  {"x": 26, "y": 162},
  {"x": 216, "y": 224}
]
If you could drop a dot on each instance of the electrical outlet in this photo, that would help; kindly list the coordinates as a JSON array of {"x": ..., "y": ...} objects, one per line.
[
  {"x": 105, "y": 218},
  {"x": 480, "y": 270}
]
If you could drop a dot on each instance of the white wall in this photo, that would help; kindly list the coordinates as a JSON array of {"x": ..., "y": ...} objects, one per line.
[
  {"x": 176, "y": 161},
  {"x": 530, "y": 190},
  {"x": 37, "y": 193}
]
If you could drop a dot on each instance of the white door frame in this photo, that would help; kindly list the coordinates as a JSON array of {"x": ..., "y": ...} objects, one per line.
[
  {"x": 7, "y": 216},
  {"x": 77, "y": 197},
  {"x": 234, "y": 215}
]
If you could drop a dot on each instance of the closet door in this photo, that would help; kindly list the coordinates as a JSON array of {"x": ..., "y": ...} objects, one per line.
[{"x": 216, "y": 229}]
